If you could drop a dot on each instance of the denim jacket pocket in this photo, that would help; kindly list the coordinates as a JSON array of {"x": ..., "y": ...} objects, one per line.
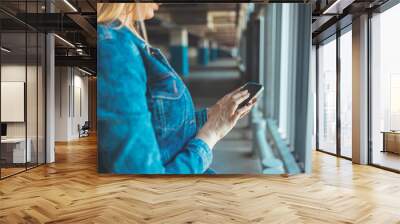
[
  {"x": 166, "y": 86},
  {"x": 167, "y": 95}
]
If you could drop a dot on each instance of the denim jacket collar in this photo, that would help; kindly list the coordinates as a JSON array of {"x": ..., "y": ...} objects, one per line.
[
  {"x": 138, "y": 41},
  {"x": 148, "y": 50}
]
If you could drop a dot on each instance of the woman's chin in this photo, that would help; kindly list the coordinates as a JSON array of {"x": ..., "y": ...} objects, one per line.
[{"x": 149, "y": 15}]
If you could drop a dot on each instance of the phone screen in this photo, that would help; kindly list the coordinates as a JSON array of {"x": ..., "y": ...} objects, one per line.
[{"x": 254, "y": 89}]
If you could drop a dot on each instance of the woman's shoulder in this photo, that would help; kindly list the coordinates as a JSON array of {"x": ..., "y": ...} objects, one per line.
[
  {"x": 115, "y": 41},
  {"x": 119, "y": 36},
  {"x": 111, "y": 32},
  {"x": 117, "y": 53}
]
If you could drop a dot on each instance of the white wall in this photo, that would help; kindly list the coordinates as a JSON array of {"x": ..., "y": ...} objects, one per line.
[
  {"x": 14, "y": 73},
  {"x": 71, "y": 93},
  {"x": 17, "y": 72},
  {"x": 33, "y": 127},
  {"x": 13, "y": 100},
  {"x": 81, "y": 84},
  {"x": 62, "y": 82}
]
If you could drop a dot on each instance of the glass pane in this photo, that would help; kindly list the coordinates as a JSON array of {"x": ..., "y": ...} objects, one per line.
[
  {"x": 31, "y": 100},
  {"x": 13, "y": 87},
  {"x": 23, "y": 89},
  {"x": 327, "y": 97},
  {"x": 386, "y": 89},
  {"x": 32, "y": 87},
  {"x": 346, "y": 94},
  {"x": 41, "y": 99},
  {"x": 314, "y": 94},
  {"x": 41, "y": 8}
]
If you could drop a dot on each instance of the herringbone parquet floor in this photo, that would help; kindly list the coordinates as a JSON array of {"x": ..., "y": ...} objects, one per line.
[{"x": 70, "y": 191}]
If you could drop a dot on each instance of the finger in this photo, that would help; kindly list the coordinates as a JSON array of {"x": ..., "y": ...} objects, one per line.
[
  {"x": 247, "y": 107},
  {"x": 253, "y": 101},
  {"x": 237, "y": 115},
  {"x": 244, "y": 109},
  {"x": 239, "y": 94},
  {"x": 238, "y": 101},
  {"x": 236, "y": 90}
]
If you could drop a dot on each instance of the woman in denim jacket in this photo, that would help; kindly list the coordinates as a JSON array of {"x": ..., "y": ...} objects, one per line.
[{"x": 147, "y": 123}]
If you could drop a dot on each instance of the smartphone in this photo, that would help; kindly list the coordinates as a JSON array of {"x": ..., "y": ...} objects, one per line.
[{"x": 254, "y": 90}]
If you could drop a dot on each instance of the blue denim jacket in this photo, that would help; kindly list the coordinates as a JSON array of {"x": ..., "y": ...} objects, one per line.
[{"x": 146, "y": 118}]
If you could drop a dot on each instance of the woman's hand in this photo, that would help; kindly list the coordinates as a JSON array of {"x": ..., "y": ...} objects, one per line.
[{"x": 223, "y": 116}]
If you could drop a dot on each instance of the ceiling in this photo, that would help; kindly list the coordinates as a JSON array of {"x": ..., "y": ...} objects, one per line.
[
  {"x": 75, "y": 21},
  {"x": 332, "y": 15},
  {"x": 220, "y": 22}
]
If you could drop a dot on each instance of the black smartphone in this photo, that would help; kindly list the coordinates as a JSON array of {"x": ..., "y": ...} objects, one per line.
[{"x": 254, "y": 90}]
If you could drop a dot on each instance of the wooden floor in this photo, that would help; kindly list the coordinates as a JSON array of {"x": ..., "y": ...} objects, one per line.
[
  {"x": 70, "y": 191},
  {"x": 387, "y": 159},
  {"x": 5, "y": 172}
]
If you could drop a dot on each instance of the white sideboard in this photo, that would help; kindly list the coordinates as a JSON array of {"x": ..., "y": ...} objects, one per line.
[{"x": 17, "y": 145}]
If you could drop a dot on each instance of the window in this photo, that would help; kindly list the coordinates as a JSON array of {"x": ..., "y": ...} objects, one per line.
[
  {"x": 284, "y": 90},
  {"x": 327, "y": 96},
  {"x": 23, "y": 89},
  {"x": 346, "y": 94},
  {"x": 385, "y": 88}
]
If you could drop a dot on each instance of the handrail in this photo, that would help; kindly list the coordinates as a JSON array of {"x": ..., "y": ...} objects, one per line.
[
  {"x": 291, "y": 165},
  {"x": 269, "y": 163}
]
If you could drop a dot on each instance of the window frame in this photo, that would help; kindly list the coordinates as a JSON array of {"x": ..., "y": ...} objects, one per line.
[
  {"x": 334, "y": 37},
  {"x": 379, "y": 10},
  {"x": 26, "y": 31}
]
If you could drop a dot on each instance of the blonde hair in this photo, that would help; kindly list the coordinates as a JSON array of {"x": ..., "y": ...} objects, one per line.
[{"x": 126, "y": 13}]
